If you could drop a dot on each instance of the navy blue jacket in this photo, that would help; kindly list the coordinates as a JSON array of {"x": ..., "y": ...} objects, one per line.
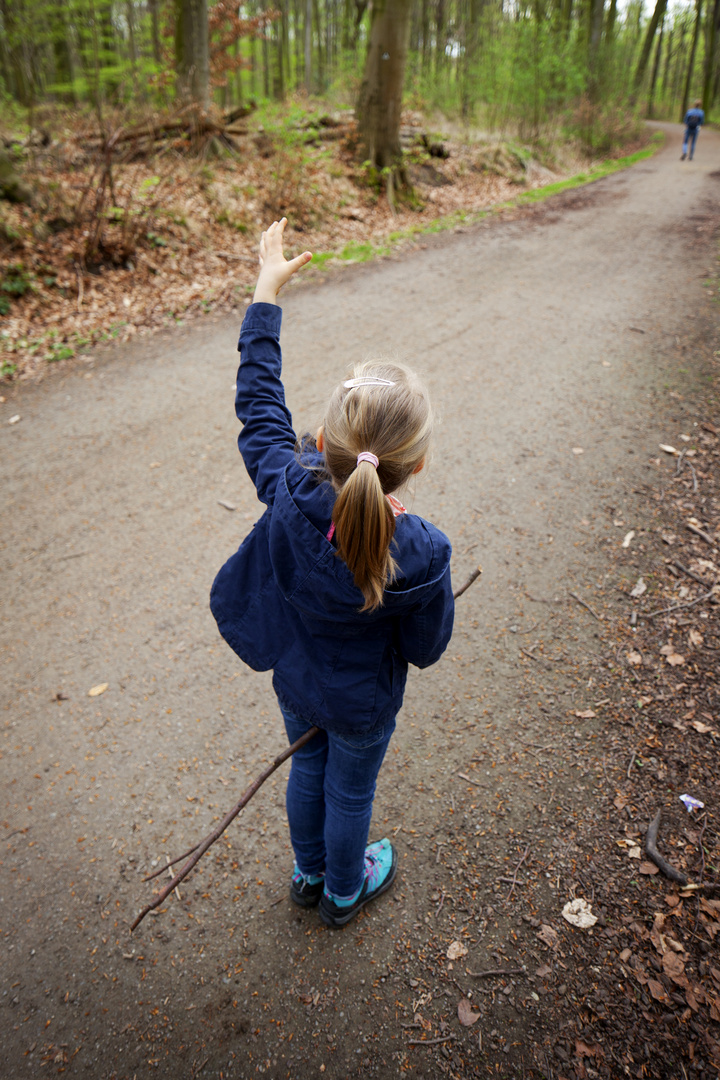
[{"x": 285, "y": 600}]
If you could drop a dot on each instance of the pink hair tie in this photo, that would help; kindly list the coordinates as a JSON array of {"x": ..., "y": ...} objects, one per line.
[{"x": 367, "y": 456}]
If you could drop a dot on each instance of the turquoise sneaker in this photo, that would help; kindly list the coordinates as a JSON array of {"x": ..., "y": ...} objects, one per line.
[{"x": 380, "y": 870}]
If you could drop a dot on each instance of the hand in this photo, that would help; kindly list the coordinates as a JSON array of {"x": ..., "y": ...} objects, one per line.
[{"x": 275, "y": 269}]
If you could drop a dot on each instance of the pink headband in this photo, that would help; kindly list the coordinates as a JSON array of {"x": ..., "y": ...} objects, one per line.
[{"x": 367, "y": 456}]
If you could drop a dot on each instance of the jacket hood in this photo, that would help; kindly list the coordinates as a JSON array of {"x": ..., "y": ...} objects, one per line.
[{"x": 316, "y": 581}]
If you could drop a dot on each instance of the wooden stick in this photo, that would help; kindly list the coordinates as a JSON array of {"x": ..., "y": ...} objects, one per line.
[
  {"x": 677, "y": 607},
  {"x": 473, "y": 577},
  {"x": 201, "y": 848},
  {"x": 652, "y": 852},
  {"x": 586, "y": 606},
  {"x": 432, "y": 1042},
  {"x": 496, "y": 971},
  {"x": 196, "y": 853},
  {"x": 690, "y": 573}
]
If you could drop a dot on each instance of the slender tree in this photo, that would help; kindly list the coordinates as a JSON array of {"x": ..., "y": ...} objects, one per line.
[
  {"x": 380, "y": 100},
  {"x": 192, "y": 51}
]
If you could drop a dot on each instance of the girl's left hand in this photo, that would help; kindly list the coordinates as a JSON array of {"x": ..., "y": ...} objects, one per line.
[{"x": 275, "y": 269}]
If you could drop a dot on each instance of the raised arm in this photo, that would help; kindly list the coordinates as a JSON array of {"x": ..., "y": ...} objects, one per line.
[{"x": 267, "y": 440}]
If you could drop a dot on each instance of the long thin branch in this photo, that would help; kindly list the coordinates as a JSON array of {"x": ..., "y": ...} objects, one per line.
[
  {"x": 217, "y": 832},
  {"x": 199, "y": 850}
]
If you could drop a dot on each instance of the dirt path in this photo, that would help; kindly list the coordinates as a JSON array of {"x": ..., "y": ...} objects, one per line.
[{"x": 543, "y": 334}]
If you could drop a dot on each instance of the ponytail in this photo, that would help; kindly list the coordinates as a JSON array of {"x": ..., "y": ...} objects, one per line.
[
  {"x": 364, "y": 527},
  {"x": 384, "y": 412}
]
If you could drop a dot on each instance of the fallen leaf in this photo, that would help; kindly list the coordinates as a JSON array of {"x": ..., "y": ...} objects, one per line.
[
  {"x": 619, "y": 802},
  {"x": 634, "y": 658},
  {"x": 702, "y": 728},
  {"x": 634, "y": 852},
  {"x": 625, "y": 956},
  {"x": 582, "y": 1049},
  {"x": 669, "y": 449},
  {"x": 648, "y": 868},
  {"x": 455, "y": 950},
  {"x": 96, "y": 691},
  {"x": 628, "y": 538},
  {"x": 543, "y": 971},
  {"x": 548, "y": 936},
  {"x": 14, "y": 419},
  {"x": 671, "y": 656},
  {"x": 466, "y": 1016},
  {"x": 638, "y": 588},
  {"x": 695, "y": 637},
  {"x": 579, "y": 913},
  {"x": 585, "y": 714},
  {"x": 673, "y": 966},
  {"x": 657, "y": 990}
]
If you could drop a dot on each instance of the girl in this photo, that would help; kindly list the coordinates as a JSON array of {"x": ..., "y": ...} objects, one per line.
[{"x": 336, "y": 589}]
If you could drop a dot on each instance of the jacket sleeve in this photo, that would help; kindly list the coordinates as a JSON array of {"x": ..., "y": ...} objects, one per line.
[
  {"x": 425, "y": 632},
  {"x": 267, "y": 440}
]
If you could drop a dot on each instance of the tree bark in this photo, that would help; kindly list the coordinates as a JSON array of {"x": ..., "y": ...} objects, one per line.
[
  {"x": 380, "y": 101},
  {"x": 658, "y": 14},
  {"x": 710, "y": 58},
  {"x": 691, "y": 61},
  {"x": 656, "y": 68},
  {"x": 192, "y": 52}
]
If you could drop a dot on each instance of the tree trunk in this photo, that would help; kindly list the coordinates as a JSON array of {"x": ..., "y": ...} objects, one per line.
[
  {"x": 658, "y": 14},
  {"x": 308, "y": 46},
  {"x": 710, "y": 58},
  {"x": 192, "y": 52},
  {"x": 155, "y": 27},
  {"x": 691, "y": 61},
  {"x": 656, "y": 68},
  {"x": 380, "y": 101}
]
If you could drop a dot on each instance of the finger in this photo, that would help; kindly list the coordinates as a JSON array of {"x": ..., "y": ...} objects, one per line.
[{"x": 300, "y": 260}]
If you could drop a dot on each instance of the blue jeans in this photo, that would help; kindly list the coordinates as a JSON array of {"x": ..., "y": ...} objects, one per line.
[
  {"x": 691, "y": 134},
  {"x": 329, "y": 801}
]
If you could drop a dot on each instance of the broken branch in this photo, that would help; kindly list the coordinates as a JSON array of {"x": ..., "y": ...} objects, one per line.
[
  {"x": 586, "y": 606},
  {"x": 652, "y": 852},
  {"x": 201, "y": 848}
]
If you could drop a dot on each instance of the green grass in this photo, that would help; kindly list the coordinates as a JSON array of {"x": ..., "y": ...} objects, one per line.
[{"x": 355, "y": 252}]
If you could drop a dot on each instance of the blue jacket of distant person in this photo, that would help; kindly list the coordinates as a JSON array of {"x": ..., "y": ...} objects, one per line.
[
  {"x": 286, "y": 601},
  {"x": 694, "y": 119}
]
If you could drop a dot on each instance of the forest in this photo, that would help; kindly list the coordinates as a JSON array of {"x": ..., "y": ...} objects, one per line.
[{"x": 149, "y": 139}]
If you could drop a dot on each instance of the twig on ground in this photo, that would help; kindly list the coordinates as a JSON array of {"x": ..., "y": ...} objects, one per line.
[
  {"x": 514, "y": 877},
  {"x": 496, "y": 971},
  {"x": 701, "y": 533},
  {"x": 432, "y": 1042},
  {"x": 586, "y": 606},
  {"x": 632, "y": 762},
  {"x": 677, "y": 607},
  {"x": 652, "y": 852},
  {"x": 702, "y": 849},
  {"x": 690, "y": 573},
  {"x": 170, "y": 873}
]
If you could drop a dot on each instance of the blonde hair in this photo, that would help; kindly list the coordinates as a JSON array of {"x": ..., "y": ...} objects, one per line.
[{"x": 395, "y": 424}]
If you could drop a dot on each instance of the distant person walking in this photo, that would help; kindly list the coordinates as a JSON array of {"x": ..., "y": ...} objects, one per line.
[{"x": 694, "y": 119}]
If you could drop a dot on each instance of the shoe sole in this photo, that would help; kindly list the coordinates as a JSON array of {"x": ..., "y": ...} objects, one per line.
[{"x": 337, "y": 921}]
